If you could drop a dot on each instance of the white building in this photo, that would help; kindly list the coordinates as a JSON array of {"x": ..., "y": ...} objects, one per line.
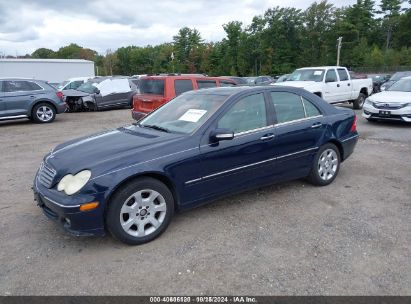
[{"x": 51, "y": 70}]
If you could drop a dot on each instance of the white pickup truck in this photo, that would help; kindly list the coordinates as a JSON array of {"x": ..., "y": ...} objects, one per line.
[{"x": 332, "y": 83}]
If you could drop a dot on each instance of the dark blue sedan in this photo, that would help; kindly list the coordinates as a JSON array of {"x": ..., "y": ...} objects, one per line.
[{"x": 200, "y": 146}]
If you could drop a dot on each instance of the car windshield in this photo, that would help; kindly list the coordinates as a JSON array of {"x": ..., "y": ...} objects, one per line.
[
  {"x": 399, "y": 75},
  {"x": 62, "y": 84},
  {"x": 402, "y": 85},
  {"x": 87, "y": 87},
  {"x": 316, "y": 75},
  {"x": 184, "y": 114}
]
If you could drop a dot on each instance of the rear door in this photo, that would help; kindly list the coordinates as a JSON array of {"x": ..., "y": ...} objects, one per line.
[
  {"x": 19, "y": 94},
  {"x": 298, "y": 132},
  {"x": 345, "y": 88}
]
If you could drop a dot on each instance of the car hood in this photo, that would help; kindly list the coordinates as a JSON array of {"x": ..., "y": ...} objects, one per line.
[
  {"x": 391, "y": 97},
  {"x": 74, "y": 93},
  {"x": 299, "y": 84},
  {"x": 110, "y": 150}
]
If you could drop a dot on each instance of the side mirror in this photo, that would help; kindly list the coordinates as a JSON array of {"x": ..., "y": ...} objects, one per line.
[
  {"x": 97, "y": 91},
  {"x": 221, "y": 134}
]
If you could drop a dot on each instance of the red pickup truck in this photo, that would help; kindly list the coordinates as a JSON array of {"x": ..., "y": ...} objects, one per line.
[{"x": 154, "y": 91}]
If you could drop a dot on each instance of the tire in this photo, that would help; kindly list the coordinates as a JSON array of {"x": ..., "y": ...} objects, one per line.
[
  {"x": 43, "y": 112},
  {"x": 326, "y": 165},
  {"x": 359, "y": 102},
  {"x": 125, "y": 219}
]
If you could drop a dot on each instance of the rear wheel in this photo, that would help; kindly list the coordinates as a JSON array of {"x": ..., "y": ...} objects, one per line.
[
  {"x": 359, "y": 102},
  {"x": 325, "y": 166},
  {"x": 140, "y": 211},
  {"x": 43, "y": 113}
]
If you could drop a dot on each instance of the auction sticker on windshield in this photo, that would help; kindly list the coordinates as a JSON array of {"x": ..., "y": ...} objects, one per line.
[
  {"x": 317, "y": 73},
  {"x": 193, "y": 115}
]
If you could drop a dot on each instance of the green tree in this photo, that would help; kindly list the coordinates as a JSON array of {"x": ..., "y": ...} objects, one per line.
[{"x": 43, "y": 53}]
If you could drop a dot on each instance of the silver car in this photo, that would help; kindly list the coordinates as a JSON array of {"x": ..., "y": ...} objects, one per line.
[
  {"x": 29, "y": 98},
  {"x": 392, "y": 104}
]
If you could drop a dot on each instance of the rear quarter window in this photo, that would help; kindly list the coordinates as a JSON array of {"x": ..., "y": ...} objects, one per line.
[
  {"x": 182, "y": 85},
  {"x": 151, "y": 86}
]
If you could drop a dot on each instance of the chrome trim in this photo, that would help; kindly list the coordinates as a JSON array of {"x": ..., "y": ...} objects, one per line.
[
  {"x": 13, "y": 117},
  {"x": 305, "y": 111},
  {"x": 352, "y": 137},
  {"x": 297, "y": 120},
  {"x": 60, "y": 205},
  {"x": 246, "y": 166},
  {"x": 302, "y": 151},
  {"x": 252, "y": 131},
  {"x": 54, "y": 202}
]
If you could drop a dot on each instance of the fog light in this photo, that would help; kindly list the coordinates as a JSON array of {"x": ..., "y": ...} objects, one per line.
[{"x": 89, "y": 206}]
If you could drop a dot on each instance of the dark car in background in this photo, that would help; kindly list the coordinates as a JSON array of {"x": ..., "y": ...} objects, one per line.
[
  {"x": 259, "y": 80},
  {"x": 394, "y": 78},
  {"x": 200, "y": 146},
  {"x": 29, "y": 98},
  {"x": 378, "y": 80},
  {"x": 101, "y": 93}
]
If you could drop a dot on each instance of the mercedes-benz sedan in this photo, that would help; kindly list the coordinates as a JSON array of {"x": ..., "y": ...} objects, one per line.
[{"x": 200, "y": 146}]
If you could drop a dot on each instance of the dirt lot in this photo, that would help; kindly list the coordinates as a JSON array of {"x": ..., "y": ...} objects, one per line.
[{"x": 352, "y": 237}]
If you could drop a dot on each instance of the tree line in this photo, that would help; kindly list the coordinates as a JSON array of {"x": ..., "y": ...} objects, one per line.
[{"x": 276, "y": 42}]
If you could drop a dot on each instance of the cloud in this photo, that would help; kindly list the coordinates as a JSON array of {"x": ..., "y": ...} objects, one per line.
[{"x": 102, "y": 24}]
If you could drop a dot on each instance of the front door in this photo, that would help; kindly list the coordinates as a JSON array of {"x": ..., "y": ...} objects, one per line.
[
  {"x": 235, "y": 164},
  {"x": 298, "y": 132},
  {"x": 331, "y": 87},
  {"x": 2, "y": 101}
]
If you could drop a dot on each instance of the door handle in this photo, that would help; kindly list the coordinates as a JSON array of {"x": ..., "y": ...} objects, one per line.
[
  {"x": 267, "y": 136},
  {"x": 316, "y": 125},
  {"x": 338, "y": 85},
  {"x": 348, "y": 84}
]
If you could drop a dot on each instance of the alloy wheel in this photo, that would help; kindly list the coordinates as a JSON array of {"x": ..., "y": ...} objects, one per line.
[{"x": 327, "y": 164}]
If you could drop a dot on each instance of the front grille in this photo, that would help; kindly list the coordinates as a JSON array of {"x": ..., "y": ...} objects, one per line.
[
  {"x": 388, "y": 106},
  {"x": 46, "y": 175}
]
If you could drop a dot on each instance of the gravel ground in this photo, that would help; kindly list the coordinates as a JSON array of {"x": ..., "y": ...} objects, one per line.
[{"x": 350, "y": 238}]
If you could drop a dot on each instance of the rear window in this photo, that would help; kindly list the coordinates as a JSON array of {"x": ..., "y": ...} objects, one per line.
[
  {"x": 343, "y": 74},
  {"x": 182, "y": 86},
  {"x": 152, "y": 86},
  {"x": 204, "y": 84}
]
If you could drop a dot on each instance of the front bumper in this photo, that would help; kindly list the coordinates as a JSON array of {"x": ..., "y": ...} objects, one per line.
[
  {"x": 69, "y": 216},
  {"x": 403, "y": 114}
]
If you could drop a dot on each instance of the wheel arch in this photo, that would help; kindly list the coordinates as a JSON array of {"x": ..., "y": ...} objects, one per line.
[
  {"x": 339, "y": 146},
  {"x": 364, "y": 91},
  {"x": 155, "y": 175},
  {"x": 30, "y": 112}
]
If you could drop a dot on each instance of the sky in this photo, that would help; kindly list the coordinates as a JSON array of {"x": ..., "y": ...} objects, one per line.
[{"x": 106, "y": 24}]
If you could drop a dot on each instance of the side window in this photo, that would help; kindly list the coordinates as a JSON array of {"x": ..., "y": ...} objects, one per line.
[
  {"x": 16, "y": 86},
  {"x": 33, "y": 86},
  {"x": 226, "y": 84},
  {"x": 288, "y": 106},
  {"x": 182, "y": 86},
  {"x": 343, "y": 74},
  {"x": 1, "y": 86},
  {"x": 331, "y": 76},
  {"x": 75, "y": 84},
  {"x": 204, "y": 84},
  {"x": 310, "y": 109},
  {"x": 247, "y": 114}
]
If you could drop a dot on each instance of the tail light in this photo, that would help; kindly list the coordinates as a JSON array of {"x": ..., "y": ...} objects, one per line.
[
  {"x": 354, "y": 124},
  {"x": 59, "y": 94}
]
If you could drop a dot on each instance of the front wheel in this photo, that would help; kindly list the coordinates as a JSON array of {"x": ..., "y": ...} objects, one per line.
[
  {"x": 140, "y": 211},
  {"x": 359, "y": 102},
  {"x": 325, "y": 166}
]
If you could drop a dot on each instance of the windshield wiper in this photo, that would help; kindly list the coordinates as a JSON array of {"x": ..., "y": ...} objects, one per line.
[{"x": 155, "y": 127}]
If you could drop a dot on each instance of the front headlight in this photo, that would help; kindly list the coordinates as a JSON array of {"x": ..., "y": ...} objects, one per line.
[{"x": 71, "y": 184}]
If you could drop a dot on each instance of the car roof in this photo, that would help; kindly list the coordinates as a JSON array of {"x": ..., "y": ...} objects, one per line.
[{"x": 322, "y": 67}]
